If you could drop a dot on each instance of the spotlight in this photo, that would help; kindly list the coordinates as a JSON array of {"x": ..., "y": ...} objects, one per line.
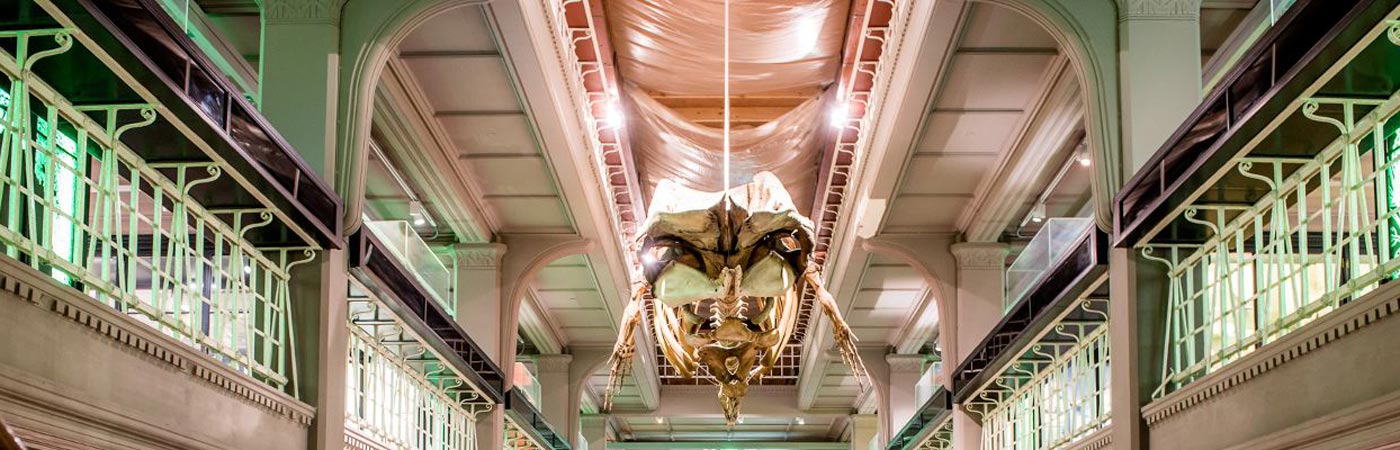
[
  {"x": 1038, "y": 213},
  {"x": 840, "y": 115},
  {"x": 612, "y": 113},
  {"x": 1084, "y": 160},
  {"x": 660, "y": 420},
  {"x": 800, "y": 421}
]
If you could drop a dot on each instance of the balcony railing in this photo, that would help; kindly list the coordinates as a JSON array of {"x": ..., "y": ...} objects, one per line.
[
  {"x": 375, "y": 266},
  {"x": 136, "y": 54},
  {"x": 1058, "y": 236},
  {"x": 1296, "y": 214},
  {"x": 1056, "y": 393},
  {"x": 400, "y": 239},
  {"x": 526, "y": 427},
  {"x": 926, "y": 428},
  {"x": 1079, "y": 272},
  {"x": 400, "y": 393},
  {"x": 77, "y": 202}
]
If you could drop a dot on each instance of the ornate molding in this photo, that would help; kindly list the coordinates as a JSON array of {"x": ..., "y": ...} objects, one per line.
[
  {"x": 480, "y": 256},
  {"x": 1159, "y": 9},
  {"x": 981, "y": 255},
  {"x": 158, "y": 348},
  {"x": 905, "y": 362},
  {"x": 553, "y": 363},
  {"x": 1376, "y": 306},
  {"x": 302, "y": 11}
]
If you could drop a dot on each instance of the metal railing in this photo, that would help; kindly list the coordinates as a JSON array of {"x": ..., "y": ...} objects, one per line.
[
  {"x": 400, "y": 393},
  {"x": 78, "y": 204},
  {"x": 1042, "y": 407},
  {"x": 1326, "y": 232}
]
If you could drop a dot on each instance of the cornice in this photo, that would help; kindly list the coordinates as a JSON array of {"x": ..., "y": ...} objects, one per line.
[
  {"x": 138, "y": 338},
  {"x": 302, "y": 11},
  {"x": 981, "y": 255},
  {"x": 1159, "y": 9},
  {"x": 480, "y": 256}
]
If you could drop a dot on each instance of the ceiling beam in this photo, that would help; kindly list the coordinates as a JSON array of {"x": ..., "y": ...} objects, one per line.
[{"x": 737, "y": 445}]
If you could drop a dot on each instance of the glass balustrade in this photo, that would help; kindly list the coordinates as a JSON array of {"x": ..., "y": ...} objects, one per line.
[
  {"x": 415, "y": 254},
  {"x": 1057, "y": 237}
]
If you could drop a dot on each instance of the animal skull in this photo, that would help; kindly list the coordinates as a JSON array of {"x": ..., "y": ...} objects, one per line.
[{"x": 726, "y": 271}]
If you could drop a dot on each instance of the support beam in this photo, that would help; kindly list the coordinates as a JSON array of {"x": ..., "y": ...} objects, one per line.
[
  {"x": 594, "y": 430},
  {"x": 321, "y": 324},
  {"x": 865, "y": 430},
  {"x": 586, "y": 362},
  {"x": 1160, "y": 71},
  {"x": 479, "y": 298},
  {"x": 904, "y": 371},
  {"x": 981, "y": 286}
]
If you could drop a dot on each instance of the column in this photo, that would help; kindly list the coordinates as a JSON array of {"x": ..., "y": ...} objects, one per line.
[
  {"x": 320, "y": 321},
  {"x": 879, "y": 371},
  {"x": 1160, "y": 57},
  {"x": 594, "y": 428},
  {"x": 299, "y": 76},
  {"x": 981, "y": 286},
  {"x": 904, "y": 379},
  {"x": 553, "y": 374},
  {"x": 1160, "y": 69},
  {"x": 865, "y": 428},
  {"x": 1137, "y": 304},
  {"x": 478, "y": 295}
]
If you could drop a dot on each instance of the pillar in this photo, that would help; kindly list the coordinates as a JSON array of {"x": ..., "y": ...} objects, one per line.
[
  {"x": 904, "y": 371},
  {"x": 594, "y": 430},
  {"x": 865, "y": 428},
  {"x": 1160, "y": 69},
  {"x": 981, "y": 286},
  {"x": 553, "y": 374},
  {"x": 320, "y": 321},
  {"x": 1137, "y": 311},
  {"x": 879, "y": 371},
  {"x": 478, "y": 296},
  {"x": 299, "y": 70}
]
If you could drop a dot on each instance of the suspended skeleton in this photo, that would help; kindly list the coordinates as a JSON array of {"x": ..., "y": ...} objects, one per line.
[{"x": 726, "y": 271}]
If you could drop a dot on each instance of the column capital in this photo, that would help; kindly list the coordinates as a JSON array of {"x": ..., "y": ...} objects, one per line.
[
  {"x": 1159, "y": 9},
  {"x": 905, "y": 362},
  {"x": 479, "y": 256},
  {"x": 302, "y": 11},
  {"x": 981, "y": 255},
  {"x": 553, "y": 363}
]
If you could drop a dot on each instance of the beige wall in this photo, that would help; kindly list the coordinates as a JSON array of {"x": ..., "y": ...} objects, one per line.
[{"x": 76, "y": 374}]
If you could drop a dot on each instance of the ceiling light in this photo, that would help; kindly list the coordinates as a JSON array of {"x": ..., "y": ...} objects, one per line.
[
  {"x": 840, "y": 115},
  {"x": 1084, "y": 160},
  {"x": 418, "y": 213},
  {"x": 1038, "y": 213},
  {"x": 660, "y": 420},
  {"x": 612, "y": 113},
  {"x": 801, "y": 422}
]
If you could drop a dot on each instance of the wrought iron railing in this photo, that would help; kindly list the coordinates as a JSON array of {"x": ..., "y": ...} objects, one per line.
[
  {"x": 1053, "y": 396},
  {"x": 1327, "y": 232},
  {"x": 79, "y": 204},
  {"x": 399, "y": 391}
]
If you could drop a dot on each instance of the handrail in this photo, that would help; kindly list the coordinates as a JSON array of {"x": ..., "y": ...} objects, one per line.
[
  {"x": 525, "y": 415},
  {"x": 140, "y": 42},
  {"x": 1274, "y": 72}
]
